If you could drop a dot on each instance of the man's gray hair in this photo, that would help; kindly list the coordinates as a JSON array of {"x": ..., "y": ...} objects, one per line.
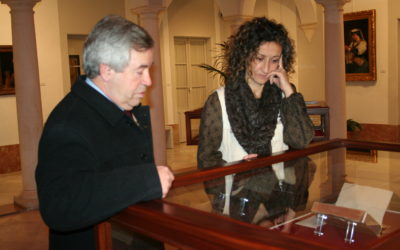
[{"x": 111, "y": 42}]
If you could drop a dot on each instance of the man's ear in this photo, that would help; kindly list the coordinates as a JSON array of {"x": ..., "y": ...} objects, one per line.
[{"x": 105, "y": 71}]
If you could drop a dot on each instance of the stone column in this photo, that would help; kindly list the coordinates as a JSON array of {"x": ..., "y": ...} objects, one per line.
[
  {"x": 27, "y": 89},
  {"x": 335, "y": 77},
  {"x": 335, "y": 88},
  {"x": 148, "y": 19}
]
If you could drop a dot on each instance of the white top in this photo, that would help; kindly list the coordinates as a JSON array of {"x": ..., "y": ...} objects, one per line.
[
  {"x": 230, "y": 148},
  {"x": 232, "y": 151}
]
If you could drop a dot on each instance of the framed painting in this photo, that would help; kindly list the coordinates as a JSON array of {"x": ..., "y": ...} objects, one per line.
[
  {"x": 359, "y": 43},
  {"x": 7, "y": 82}
]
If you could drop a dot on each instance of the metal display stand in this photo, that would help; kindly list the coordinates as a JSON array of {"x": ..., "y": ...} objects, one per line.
[{"x": 351, "y": 216}]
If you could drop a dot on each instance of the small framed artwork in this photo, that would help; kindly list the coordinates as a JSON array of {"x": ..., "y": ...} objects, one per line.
[
  {"x": 7, "y": 82},
  {"x": 359, "y": 44}
]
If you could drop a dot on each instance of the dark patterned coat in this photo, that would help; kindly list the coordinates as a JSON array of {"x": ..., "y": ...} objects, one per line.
[{"x": 298, "y": 128}]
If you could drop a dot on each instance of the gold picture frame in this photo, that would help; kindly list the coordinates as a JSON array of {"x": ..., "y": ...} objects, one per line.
[{"x": 360, "y": 45}]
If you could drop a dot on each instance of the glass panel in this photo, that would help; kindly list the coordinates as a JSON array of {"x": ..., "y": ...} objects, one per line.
[
  {"x": 255, "y": 195},
  {"x": 280, "y": 197}
]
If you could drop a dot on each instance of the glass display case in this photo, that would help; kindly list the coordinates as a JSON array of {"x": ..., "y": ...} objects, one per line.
[{"x": 276, "y": 202}]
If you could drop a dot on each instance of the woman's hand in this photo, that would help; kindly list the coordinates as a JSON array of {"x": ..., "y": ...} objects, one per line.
[
  {"x": 279, "y": 77},
  {"x": 250, "y": 157}
]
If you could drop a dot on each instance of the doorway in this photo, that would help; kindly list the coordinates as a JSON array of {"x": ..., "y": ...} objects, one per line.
[
  {"x": 190, "y": 80},
  {"x": 75, "y": 56}
]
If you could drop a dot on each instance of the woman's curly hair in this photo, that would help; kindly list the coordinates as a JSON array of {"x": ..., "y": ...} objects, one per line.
[{"x": 242, "y": 47}]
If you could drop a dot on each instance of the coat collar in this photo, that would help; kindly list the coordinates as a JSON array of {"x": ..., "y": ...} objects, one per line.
[{"x": 107, "y": 109}]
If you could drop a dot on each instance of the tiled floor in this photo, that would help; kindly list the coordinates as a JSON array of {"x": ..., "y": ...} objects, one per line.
[
  {"x": 26, "y": 230},
  {"x": 182, "y": 157},
  {"x": 10, "y": 186}
]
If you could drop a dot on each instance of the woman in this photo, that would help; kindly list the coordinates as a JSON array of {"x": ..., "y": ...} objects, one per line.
[
  {"x": 356, "y": 53},
  {"x": 258, "y": 111},
  {"x": 357, "y": 46}
]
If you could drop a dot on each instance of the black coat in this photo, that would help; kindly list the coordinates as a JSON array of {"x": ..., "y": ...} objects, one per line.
[{"x": 93, "y": 162}]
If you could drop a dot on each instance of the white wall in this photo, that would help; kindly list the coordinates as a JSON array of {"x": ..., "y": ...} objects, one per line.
[
  {"x": 78, "y": 18},
  {"x": 48, "y": 50},
  {"x": 49, "y": 54},
  {"x": 368, "y": 101},
  {"x": 311, "y": 60},
  {"x": 8, "y": 108}
]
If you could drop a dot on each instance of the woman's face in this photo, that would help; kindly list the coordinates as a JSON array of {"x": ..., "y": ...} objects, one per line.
[
  {"x": 265, "y": 61},
  {"x": 355, "y": 37}
]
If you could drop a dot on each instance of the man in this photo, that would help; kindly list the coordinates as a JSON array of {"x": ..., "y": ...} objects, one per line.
[{"x": 94, "y": 160}]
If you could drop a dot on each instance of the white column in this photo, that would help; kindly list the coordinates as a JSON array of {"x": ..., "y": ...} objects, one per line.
[
  {"x": 335, "y": 78},
  {"x": 148, "y": 19},
  {"x": 27, "y": 89}
]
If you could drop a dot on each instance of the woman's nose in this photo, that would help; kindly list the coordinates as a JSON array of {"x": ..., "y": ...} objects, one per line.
[{"x": 266, "y": 67}]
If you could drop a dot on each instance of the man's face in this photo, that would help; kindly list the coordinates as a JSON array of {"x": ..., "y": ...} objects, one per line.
[{"x": 127, "y": 88}]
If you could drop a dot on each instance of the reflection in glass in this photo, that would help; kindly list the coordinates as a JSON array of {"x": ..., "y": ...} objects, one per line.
[{"x": 267, "y": 196}]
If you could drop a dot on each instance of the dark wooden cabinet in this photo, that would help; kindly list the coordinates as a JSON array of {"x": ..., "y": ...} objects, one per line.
[
  {"x": 319, "y": 114},
  {"x": 318, "y": 111}
]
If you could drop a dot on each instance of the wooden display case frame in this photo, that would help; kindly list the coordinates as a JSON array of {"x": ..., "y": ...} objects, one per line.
[{"x": 188, "y": 228}]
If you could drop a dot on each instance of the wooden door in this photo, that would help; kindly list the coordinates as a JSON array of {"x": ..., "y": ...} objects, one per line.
[{"x": 191, "y": 80}]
